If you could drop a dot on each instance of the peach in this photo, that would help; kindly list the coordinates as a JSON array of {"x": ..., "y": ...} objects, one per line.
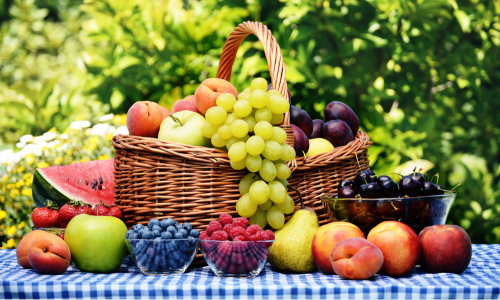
[
  {"x": 207, "y": 92},
  {"x": 165, "y": 112},
  {"x": 144, "y": 118},
  {"x": 356, "y": 258},
  {"x": 445, "y": 248},
  {"x": 22, "y": 248},
  {"x": 399, "y": 244},
  {"x": 326, "y": 237},
  {"x": 49, "y": 254},
  {"x": 186, "y": 103}
]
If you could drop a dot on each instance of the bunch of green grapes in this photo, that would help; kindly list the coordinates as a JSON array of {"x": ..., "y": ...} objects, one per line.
[{"x": 248, "y": 129}]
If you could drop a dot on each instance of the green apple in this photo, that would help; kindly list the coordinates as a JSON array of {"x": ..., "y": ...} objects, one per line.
[
  {"x": 97, "y": 243},
  {"x": 184, "y": 127}
]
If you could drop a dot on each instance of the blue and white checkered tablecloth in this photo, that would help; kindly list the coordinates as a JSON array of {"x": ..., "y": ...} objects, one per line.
[{"x": 481, "y": 280}]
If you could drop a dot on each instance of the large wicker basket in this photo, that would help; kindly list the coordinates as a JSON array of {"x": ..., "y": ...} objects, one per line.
[{"x": 160, "y": 179}]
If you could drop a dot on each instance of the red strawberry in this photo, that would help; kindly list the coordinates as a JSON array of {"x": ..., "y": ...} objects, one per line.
[
  {"x": 115, "y": 211},
  {"x": 44, "y": 217},
  {"x": 70, "y": 210},
  {"x": 100, "y": 210}
]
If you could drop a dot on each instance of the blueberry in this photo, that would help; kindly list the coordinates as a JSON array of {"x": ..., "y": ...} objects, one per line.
[
  {"x": 157, "y": 227},
  {"x": 137, "y": 227},
  {"x": 184, "y": 233},
  {"x": 172, "y": 229},
  {"x": 192, "y": 243},
  {"x": 178, "y": 235},
  {"x": 147, "y": 234},
  {"x": 157, "y": 238},
  {"x": 157, "y": 233},
  {"x": 166, "y": 235},
  {"x": 183, "y": 246},
  {"x": 170, "y": 246},
  {"x": 194, "y": 233},
  {"x": 134, "y": 236},
  {"x": 187, "y": 226},
  {"x": 167, "y": 222},
  {"x": 152, "y": 223},
  {"x": 129, "y": 232}
]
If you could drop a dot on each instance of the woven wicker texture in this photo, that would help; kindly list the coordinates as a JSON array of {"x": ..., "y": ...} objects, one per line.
[{"x": 160, "y": 179}]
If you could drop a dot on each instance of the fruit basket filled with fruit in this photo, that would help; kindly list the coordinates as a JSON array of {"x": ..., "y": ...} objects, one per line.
[{"x": 233, "y": 153}]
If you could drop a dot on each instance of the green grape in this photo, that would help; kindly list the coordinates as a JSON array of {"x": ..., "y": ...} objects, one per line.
[
  {"x": 282, "y": 171},
  {"x": 225, "y": 132},
  {"x": 217, "y": 141},
  {"x": 278, "y": 192},
  {"x": 216, "y": 115},
  {"x": 263, "y": 114},
  {"x": 284, "y": 182},
  {"x": 259, "y": 218},
  {"x": 242, "y": 108},
  {"x": 226, "y": 101},
  {"x": 239, "y": 128},
  {"x": 258, "y": 83},
  {"x": 273, "y": 92},
  {"x": 287, "y": 152},
  {"x": 246, "y": 181},
  {"x": 237, "y": 151},
  {"x": 278, "y": 104},
  {"x": 255, "y": 145},
  {"x": 272, "y": 150},
  {"x": 267, "y": 205},
  {"x": 279, "y": 134},
  {"x": 263, "y": 129},
  {"x": 258, "y": 98},
  {"x": 275, "y": 217},
  {"x": 208, "y": 130},
  {"x": 230, "y": 119},
  {"x": 244, "y": 96},
  {"x": 277, "y": 119},
  {"x": 259, "y": 192},
  {"x": 238, "y": 165},
  {"x": 244, "y": 207},
  {"x": 268, "y": 170},
  {"x": 251, "y": 122},
  {"x": 288, "y": 206},
  {"x": 253, "y": 162},
  {"x": 234, "y": 139}
]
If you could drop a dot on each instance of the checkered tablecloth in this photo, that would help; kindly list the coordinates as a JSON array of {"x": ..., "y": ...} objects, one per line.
[{"x": 481, "y": 280}]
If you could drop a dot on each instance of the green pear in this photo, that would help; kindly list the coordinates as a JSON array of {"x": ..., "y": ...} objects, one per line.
[{"x": 291, "y": 249}]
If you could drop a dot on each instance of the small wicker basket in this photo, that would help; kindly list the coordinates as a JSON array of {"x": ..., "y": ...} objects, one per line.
[{"x": 161, "y": 179}]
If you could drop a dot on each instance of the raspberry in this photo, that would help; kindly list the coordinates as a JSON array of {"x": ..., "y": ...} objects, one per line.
[
  {"x": 240, "y": 238},
  {"x": 227, "y": 228},
  {"x": 225, "y": 219},
  {"x": 204, "y": 236},
  {"x": 242, "y": 222},
  {"x": 225, "y": 249},
  {"x": 238, "y": 257},
  {"x": 253, "y": 233},
  {"x": 236, "y": 231},
  {"x": 222, "y": 262},
  {"x": 267, "y": 235},
  {"x": 212, "y": 227},
  {"x": 250, "y": 264},
  {"x": 219, "y": 235}
]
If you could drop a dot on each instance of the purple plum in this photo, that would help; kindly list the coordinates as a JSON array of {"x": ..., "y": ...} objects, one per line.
[
  {"x": 337, "y": 110},
  {"x": 301, "y": 141},
  {"x": 301, "y": 119},
  {"x": 337, "y": 132},
  {"x": 317, "y": 129}
]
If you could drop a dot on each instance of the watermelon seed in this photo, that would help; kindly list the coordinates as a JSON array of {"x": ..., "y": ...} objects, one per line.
[
  {"x": 100, "y": 187},
  {"x": 86, "y": 182},
  {"x": 100, "y": 180}
]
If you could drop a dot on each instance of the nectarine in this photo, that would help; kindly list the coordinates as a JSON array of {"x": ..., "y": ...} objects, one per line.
[
  {"x": 49, "y": 254},
  {"x": 22, "y": 247},
  {"x": 207, "y": 92},
  {"x": 144, "y": 118},
  {"x": 326, "y": 237},
  {"x": 186, "y": 103}
]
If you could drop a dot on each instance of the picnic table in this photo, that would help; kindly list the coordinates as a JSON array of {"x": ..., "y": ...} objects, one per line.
[{"x": 481, "y": 280}]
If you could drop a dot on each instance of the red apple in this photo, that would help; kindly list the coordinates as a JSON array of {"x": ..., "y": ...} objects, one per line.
[
  {"x": 49, "y": 254},
  {"x": 144, "y": 118},
  {"x": 445, "y": 248},
  {"x": 356, "y": 258},
  {"x": 207, "y": 92},
  {"x": 399, "y": 244},
  {"x": 326, "y": 237}
]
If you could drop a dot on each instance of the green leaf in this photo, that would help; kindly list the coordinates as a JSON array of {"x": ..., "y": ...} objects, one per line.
[{"x": 463, "y": 19}]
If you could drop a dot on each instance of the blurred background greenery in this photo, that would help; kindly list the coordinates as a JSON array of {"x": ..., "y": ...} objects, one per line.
[{"x": 423, "y": 77}]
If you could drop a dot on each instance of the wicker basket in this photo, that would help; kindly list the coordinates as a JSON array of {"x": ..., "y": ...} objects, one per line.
[{"x": 160, "y": 179}]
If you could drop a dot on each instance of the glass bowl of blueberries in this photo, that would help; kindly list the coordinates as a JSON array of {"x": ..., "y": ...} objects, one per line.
[
  {"x": 162, "y": 247},
  {"x": 369, "y": 199}
]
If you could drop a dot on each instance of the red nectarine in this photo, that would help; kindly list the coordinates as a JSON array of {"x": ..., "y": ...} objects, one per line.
[
  {"x": 207, "y": 92},
  {"x": 144, "y": 118},
  {"x": 49, "y": 254},
  {"x": 22, "y": 247}
]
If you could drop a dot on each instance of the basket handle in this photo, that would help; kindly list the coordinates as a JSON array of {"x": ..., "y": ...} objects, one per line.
[{"x": 271, "y": 49}]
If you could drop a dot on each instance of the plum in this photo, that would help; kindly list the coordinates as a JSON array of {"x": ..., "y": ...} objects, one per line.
[
  {"x": 301, "y": 140},
  {"x": 337, "y": 110},
  {"x": 337, "y": 132},
  {"x": 301, "y": 119},
  {"x": 317, "y": 128}
]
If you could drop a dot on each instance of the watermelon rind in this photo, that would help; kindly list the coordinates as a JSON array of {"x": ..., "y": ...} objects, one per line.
[{"x": 90, "y": 182}]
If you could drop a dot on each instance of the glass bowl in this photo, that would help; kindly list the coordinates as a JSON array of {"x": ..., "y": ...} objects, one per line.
[
  {"x": 162, "y": 256},
  {"x": 416, "y": 212},
  {"x": 236, "y": 258}
]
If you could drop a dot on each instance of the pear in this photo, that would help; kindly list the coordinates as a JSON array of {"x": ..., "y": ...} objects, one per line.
[{"x": 291, "y": 250}]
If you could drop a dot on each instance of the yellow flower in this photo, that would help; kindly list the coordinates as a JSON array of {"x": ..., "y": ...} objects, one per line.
[
  {"x": 103, "y": 157},
  {"x": 58, "y": 160},
  {"x": 3, "y": 214},
  {"x": 27, "y": 192},
  {"x": 2, "y": 199},
  {"x": 120, "y": 119},
  {"x": 21, "y": 225},
  {"x": 11, "y": 244},
  {"x": 29, "y": 159},
  {"x": 27, "y": 176},
  {"x": 53, "y": 129},
  {"x": 21, "y": 169},
  {"x": 5, "y": 178},
  {"x": 20, "y": 183},
  {"x": 42, "y": 164},
  {"x": 11, "y": 230},
  {"x": 14, "y": 193},
  {"x": 69, "y": 152}
]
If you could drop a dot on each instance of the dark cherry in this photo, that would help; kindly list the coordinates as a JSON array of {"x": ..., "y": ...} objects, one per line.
[
  {"x": 418, "y": 176},
  {"x": 382, "y": 178},
  {"x": 388, "y": 188},
  {"x": 346, "y": 182},
  {"x": 429, "y": 189},
  {"x": 369, "y": 190},
  {"x": 372, "y": 175},
  {"x": 363, "y": 214},
  {"x": 347, "y": 192},
  {"x": 410, "y": 186},
  {"x": 440, "y": 189},
  {"x": 363, "y": 177},
  {"x": 391, "y": 210}
]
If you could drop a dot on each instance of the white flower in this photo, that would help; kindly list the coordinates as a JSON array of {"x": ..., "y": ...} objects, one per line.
[
  {"x": 106, "y": 117},
  {"x": 64, "y": 136},
  {"x": 79, "y": 125},
  {"x": 99, "y": 129},
  {"x": 26, "y": 139},
  {"x": 6, "y": 156},
  {"x": 121, "y": 130},
  {"x": 38, "y": 140},
  {"x": 49, "y": 136}
]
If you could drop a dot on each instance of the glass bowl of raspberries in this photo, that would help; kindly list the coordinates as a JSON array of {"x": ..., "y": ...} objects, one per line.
[
  {"x": 234, "y": 248},
  {"x": 162, "y": 247}
]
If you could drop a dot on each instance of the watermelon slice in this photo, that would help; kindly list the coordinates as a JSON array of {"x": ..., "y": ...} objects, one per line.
[{"x": 91, "y": 182}]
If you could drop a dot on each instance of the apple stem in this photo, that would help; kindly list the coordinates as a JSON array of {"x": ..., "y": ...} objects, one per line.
[
  {"x": 176, "y": 119},
  {"x": 298, "y": 193}
]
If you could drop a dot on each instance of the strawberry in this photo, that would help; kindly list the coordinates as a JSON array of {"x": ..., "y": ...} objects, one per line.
[
  {"x": 100, "y": 210},
  {"x": 70, "y": 210},
  {"x": 114, "y": 211},
  {"x": 45, "y": 217}
]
